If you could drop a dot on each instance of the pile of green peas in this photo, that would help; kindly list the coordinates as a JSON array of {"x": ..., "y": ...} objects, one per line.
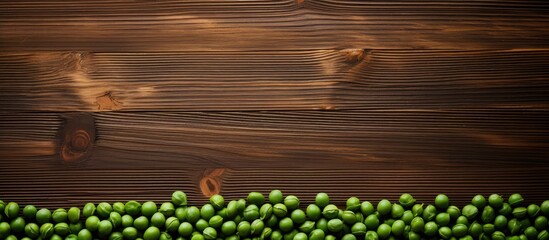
[{"x": 280, "y": 217}]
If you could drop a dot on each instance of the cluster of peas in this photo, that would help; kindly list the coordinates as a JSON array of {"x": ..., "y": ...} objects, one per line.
[{"x": 279, "y": 217}]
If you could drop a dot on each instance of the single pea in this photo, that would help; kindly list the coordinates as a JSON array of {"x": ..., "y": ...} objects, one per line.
[
  {"x": 335, "y": 225},
  {"x": 300, "y": 236},
  {"x": 322, "y": 199},
  {"x": 445, "y": 232},
  {"x": 430, "y": 229},
  {"x": 2, "y": 207},
  {"x": 209, "y": 233},
  {"x": 167, "y": 209},
  {"x": 256, "y": 227},
  {"x": 359, "y": 217},
  {"x": 520, "y": 212},
  {"x": 543, "y": 235},
  {"x": 367, "y": 208},
  {"x": 505, "y": 210},
  {"x": 129, "y": 233},
  {"x": 193, "y": 214},
  {"x": 371, "y": 222},
  {"x": 286, "y": 224},
  {"x": 117, "y": 235},
  {"x": 215, "y": 221},
  {"x": 524, "y": 223},
  {"x": 105, "y": 228},
  {"x": 75, "y": 228},
  {"x": 256, "y": 198},
  {"x": 61, "y": 229},
  {"x": 92, "y": 223},
  {"x": 488, "y": 214},
  {"x": 298, "y": 216},
  {"x": 463, "y": 220},
  {"x": 185, "y": 229},
  {"x": 407, "y": 217},
  {"x": 442, "y": 201},
  {"x": 127, "y": 221},
  {"x": 479, "y": 201},
  {"x": 475, "y": 229},
  {"x": 251, "y": 213},
  {"x": 316, "y": 234},
  {"x": 141, "y": 223},
  {"x": 46, "y": 230},
  {"x": 291, "y": 202},
  {"x": 11, "y": 210},
  {"x": 398, "y": 228},
  {"x": 115, "y": 219},
  {"x": 244, "y": 228},
  {"x": 17, "y": 225},
  {"x": 228, "y": 228},
  {"x": 384, "y": 207},
  {"x": 271, "y": 222},
  {"x": 397, "y": 211},
  {"x": 442, "y": 219},
  {"x": 68, "y": 237},
  {"x": 533, "y": 210},
  {"x": 152, "y": 233},
  {"x": 29, "y": 212},
  {"x": 266, "y": 233},
  {"x": 514, "y": 226},
  {"x": 496, "y": 201},
  {"x": 383, "y": 231},
  {"x": 179, "y": 199},
  {"x": 349, "y": 236},
  {"x": 406, "y": 200},
  {"x": 330, "y": 211},
  {"x": 85, "y": 234},
  {"x": 488, "y": 228},
  {"x": 459, "y": 230},
  {"x": 515, "y": 200},
  {"x": 43, "y": 216},
  {"x": 531, "y": 232},
  {"x": 497, "y": 235},
  {"x": 5, "y": 229},
  {"x": 353, "y": 204},
  {"x": 541, "y": 223},
  {"x": 148, "y": 209},
  {"x": 544, "y": 207},
  {"x": 197, "y": 236},
  {"x": 32, "y": 230},
  {"x": 313, "y": 212},
  {"x": 171, "y": 224},
  {"x": 280, "y": 210},
  {"x": 265, "y": 211},
  {"x": 104, "y": 209},
  {"x": 371, "y": 235},
  {"x": 217, "y": 201},
  {"x": 232, "y": 209},
  {"x": 348, "y": 217},
  {"x": 322, "y": 224},
  {"x": 241, "y": 205},
  {"x": 429, "y": 213},
  {"x": 500, "y": 222},
  {"x": 207, "y": 211},
  {"x": 470, "y": 211},
  {"x": 73, "y": 215},
  {"x": 158, "y": 220},
  {"x": 453, "y": 212},
  {"x": 132, "y": 208},
  {"x": 275, "y": 196},
  {"x": 417, "y": 224}
]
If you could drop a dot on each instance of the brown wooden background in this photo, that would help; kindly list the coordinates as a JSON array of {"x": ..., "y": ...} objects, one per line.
[{"x": 350, "y": 97}]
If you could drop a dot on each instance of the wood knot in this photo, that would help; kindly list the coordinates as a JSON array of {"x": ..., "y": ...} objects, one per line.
[
  {"x": 76, "y": 137},
  {"x": 210, "y": 183},
  {"x": 354, "y": 56}
]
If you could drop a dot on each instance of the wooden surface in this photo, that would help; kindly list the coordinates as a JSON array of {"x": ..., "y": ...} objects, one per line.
[{"x": 118, "y": 100}]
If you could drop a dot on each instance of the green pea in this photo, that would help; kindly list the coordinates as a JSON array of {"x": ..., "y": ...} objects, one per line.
[
  {"x": 371, "y": 235},
  {"x": 531, "y": 232},
  {"x": 291, "y": 202},
  {"x": 129, "y": 233},
  {"x": 442, "y": 201},
  {"x": 251, "y": 213},
  {"x": 43, "y": 216},
  {"x": 366, "y": 208},
  {"x": 271, "y": 222},
  {"x": 256, "y": 198},
  {"x": 541, "y": 223},
  {"x": 348, "y": 236},
  {"x": 430, "y": 229},
  {"x": 299, "y": 217},
  {"x": 61, "y": 229},
  {"x": 389, "y": 221},
  {"x": 384, "y": 207},
  {"x": 158, "y": 220},
  {"x": 383, "y": 231},
  {"x": 520, "y": 212},
  {"x": 244, "y": 228},
  {"x": 5, "y": 229},
  {"x": 215, "y": 221},
  {"x": 141, "y": 223},
  {"x": 179, "y": 199},
  {"x": 132, "y": 208},
  {"x": 429, "y": 213},
  {"x": 488, "y": 228},
  {"x": 17, "y": 225},
  {"x": 197, "y": 236},
  {"x": 105, "y": 228},
  {"x": 500, "y": 222},
  {"x": 152, "y": 233},
  {"x": 544, "y": 207},
  {"x": 543, "y": 235},
  {"x": 406, "y": 200},
  {"x": 232, "y": 209},
  {"x": 193, "y": 214},
  {"x": 322, "y": 199},
  {"x": 470, "y": 211},
  {"x": 514, "y": 226},
  {"x": 208, "y": 211},
  {"x": 68, "y": 237},
  {"x": 397, "y": 211},
  {"x": 371, "y": 222},
  {"x": 275, "y": 196},
  {"x": 127, "y": 221},
  {"x": 515, "y": 200},
  {"x": 417, "y": 224},
  {"x": 316, "y": 234},
  {"x": 167, "y": 209},
  {"x": 286, "y": 224},
  {"x": 407, "y": 216},
  {"x": 241, "y": 205},
  {"x": 307, "y": 227},
  {"x": 116, "y": 235},
  {"x": 322, "y": 224},
  {"x": 417, "y": 209},
  {"x": 209, "y": 233},
  {"x": 459, "y": 230},
  {"x": 313, "y": 212},
  {"x": 300, "y": 236},
  {"x": 497, "y": 235},
  {"x": 92, "y": 223},
  {"x": 46, "y": 230},
  {"x": 488, "y": 214},
  {"x": 75, "y": 228},
  {"x": 453, "y": 212},
  {"x": 84, "y": 234},
  {"x": 348, "y": 217},
  {"x": 275, "y": 235},
  {"x": 445, "y": 232},
  {"x": 398, "y": 228},
  {"x": 496, "y": 201},
  {"x": 2, "y": 207},
  {"x": 256, "y": 227},
  {"x": 148, "y": 209},
  {"x": 479, "y": 201},
  {"x": 335, "y": 225},
  {"x": 115, "y": 219},
  {"x": 505, "y": 210},
  {"x": 359, "y": 217},
  {"x": 442, "y": 219},
  {"x": 31, "y": 230},
  {"x": 73, "y": 215},
  {"x": 475, "y": 229},
  {"x": 104, "y": 209},
  {"x": 171, "y": 224},
  {"x": 11, "y": 210},
  {"x": 228, "y": 228},
  {"x": 330, "y": 211},
  {"x": 29, "y": 212},
  {"x": 185, "y": 229},
  {"x": 353, "y": 204},
  {"x": 265, "y": 211},
  {"x": 533, "y": 210},
  {"x": 280, "y": 210}
]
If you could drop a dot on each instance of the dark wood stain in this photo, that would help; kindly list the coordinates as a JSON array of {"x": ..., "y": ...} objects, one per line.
[{"x": 119, "y": 100}]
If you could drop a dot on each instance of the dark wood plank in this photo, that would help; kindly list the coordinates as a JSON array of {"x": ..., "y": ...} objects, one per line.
[
  {"x": 293, "y": 139},
  {"x": 274, "y": 80},
  {"x": 67, "y": 187},
  {"x": 115, "y": 25}
]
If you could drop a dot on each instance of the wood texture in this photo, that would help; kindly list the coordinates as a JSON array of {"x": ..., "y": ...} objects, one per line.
[
  {"x": 274, "y": 80},
  {"x": 115, "y": 25}
]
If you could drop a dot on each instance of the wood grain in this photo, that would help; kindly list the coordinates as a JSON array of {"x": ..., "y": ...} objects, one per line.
[
  {"x": 274, "y": 80},
  {"x": 126, "y": 26},
  {"x": 53, "y": 187}
]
